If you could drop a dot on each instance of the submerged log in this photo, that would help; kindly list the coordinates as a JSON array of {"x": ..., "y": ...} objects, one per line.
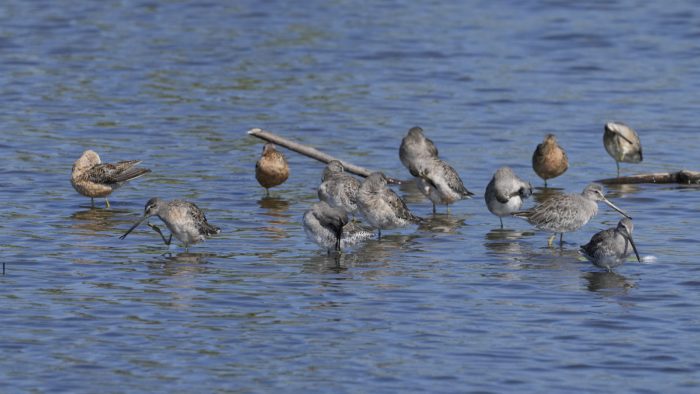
[
  {"x": 313, "y": 153},
  {"x": 682, "y": 177}
]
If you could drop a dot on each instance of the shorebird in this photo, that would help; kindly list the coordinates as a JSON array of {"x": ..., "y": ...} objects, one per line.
[
  {"x": 506, "y": 192},
  {"x": 271, "y": 169},
  {"x": 415, "y": 149},
  {"x": 549, "y": 160},
  {"x": 381, "y": 206},
  {"x": 438, "y": 181},
  {"x": 622, "y": 143},
  {"x": 92, "y": 178},
  {"x": 610, "y": 248},
  {"x": 338, "y": 188},
  {"x": 567, "y": 212},
  {"x": 184, "y": 220},
  {"x": 329, "y": 227}
]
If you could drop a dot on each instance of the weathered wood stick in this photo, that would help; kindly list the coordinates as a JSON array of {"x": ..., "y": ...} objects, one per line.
[
  {"x": 313, "y": 153},
  {"x": 682, "y": 176}
]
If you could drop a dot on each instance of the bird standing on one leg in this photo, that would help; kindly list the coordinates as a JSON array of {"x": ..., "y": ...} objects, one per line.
[
  {"x": 549, "y": 159},
  {"x": 271, "y": 169},
  {"x": 622, "y": 143},
  {"x": 92, "y": 178},
  {"x": 505, "y": 193}
]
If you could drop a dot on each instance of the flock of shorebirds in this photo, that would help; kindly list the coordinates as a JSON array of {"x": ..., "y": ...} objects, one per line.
[{"x": 342, "y": 196}]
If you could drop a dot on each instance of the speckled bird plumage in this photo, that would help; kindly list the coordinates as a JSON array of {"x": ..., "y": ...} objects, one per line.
[
  {"x": 92, "y": 178},
  {"x": 339, "y": 189},
  {"x": 416, "y": 150},
  {"x": 441, "y": 183},
  {"x": 184, "y": 220},
  {"x": 381, "y": 206},
  {"x": 567, "y": 212}
]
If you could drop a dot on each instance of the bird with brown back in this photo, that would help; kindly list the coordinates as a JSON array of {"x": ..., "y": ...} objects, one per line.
[
  {"x": 549, "y": 160},
  {"x": 271, "y": 168}
]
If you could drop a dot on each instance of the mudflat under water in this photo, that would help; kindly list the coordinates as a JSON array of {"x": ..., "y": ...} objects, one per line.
[{"x": 453, "y": 305}]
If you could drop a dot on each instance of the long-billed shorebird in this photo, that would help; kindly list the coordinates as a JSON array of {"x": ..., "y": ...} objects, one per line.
[
  {"x": 271, "y": 169},
  {"x": 184, "y": 220},
  {"x": 338, "y": 188},
  {"x": 549, "y": 159},
  {"x": 622, "y": 143},
  {"x": 441, "y": 183},
  {"x": 610, "y": 248},
  {"x": 330, "y": 228},
  {"x": 416, "y": 150},
  {"x": 567, "y": 212},
  {"x": 381, "y": 206},
  {"x": 92, "y": 178},
  {"x": 506, "y": 192}
]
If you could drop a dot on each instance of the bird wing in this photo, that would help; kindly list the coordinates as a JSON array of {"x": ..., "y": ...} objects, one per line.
[
  {"x": 122, "y": 171},
  {"x": 453, "y": 180},
  {"x": 399, "y": 206},
  {"x": 200, "y": 220}
]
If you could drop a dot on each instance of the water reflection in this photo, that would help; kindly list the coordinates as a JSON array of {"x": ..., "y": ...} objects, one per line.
[
  {"x": 96, "y": 220},
  {"x": 181, "y": 264},
  {"x": 608, "y": 283},
  {"x": 276, "y": 210},
  {"x": 442, "y": 223},
  {"x": 616, "y": 191},
  {"x": 505, "y": 241}
]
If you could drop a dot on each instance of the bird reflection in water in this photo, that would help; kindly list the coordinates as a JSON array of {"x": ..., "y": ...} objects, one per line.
[
  {"x": 181, "y": 264},
  {"x": 442, "y": 223},
  {"x": 94, "y": 220},
  {"x": 275, "y": 209},
  {"x": 541, "y": 195},
  {"x": 608, "y": 283},
  {"x": 506, "y": 241}
]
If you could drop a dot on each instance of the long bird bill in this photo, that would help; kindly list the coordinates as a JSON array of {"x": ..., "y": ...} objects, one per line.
[
  {"x": 634, "y": 247},
  {"x": 134, "y": 226},
  {"x": 611, "y": 205}
]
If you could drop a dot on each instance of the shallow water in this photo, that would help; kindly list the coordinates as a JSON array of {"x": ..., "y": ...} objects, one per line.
[{"x": 456, "y": 304}]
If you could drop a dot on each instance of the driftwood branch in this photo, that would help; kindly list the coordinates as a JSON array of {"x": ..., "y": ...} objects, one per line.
[
  {"x": 683, "y": 176},
  {"x": 313, "y": 153}
]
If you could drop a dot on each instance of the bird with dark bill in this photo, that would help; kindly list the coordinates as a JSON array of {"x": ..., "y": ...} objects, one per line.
[
  {"x": 330, "y": 228},
  {"x": 622, "y": 144},
  {"x": 92, "y": 178},
  {"x": 505, "y": 193},
  {"x": 381, "y": 206},
  {"x": 610, "y": 248},
  {"x": 549, "y": 159},
  {"x": 184, "y": 220},
  {"x": 567, "y": 212},
  {"x": 271, "y": 169}
]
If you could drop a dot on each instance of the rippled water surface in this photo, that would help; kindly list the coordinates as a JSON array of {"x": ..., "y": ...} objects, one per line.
[{"x": 456, "y": 304}]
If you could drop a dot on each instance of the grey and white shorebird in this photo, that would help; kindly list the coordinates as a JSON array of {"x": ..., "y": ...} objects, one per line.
[
  {"x": 416, "y": 151},
  {"x": 622, "y": 143},
  {"x": 92, "y": 178},
  {"x": 567, "y": 212},
  {"x": 435, "y": 178},
  {"x": 505, "y": 193},
  {"x": 330, "y": 228},
  {"x": 184, "y": 220},
  {"x": 381, "y": 206},
  {"x": 338, "y": 188},
  {"x": 610, "y": 248}
]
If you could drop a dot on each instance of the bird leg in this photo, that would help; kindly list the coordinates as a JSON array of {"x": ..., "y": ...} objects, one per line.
[
  {"x": 157, "y": 229},
  {"x": 501, "y": 219},
  {"x": 617, "y": 163},
  {"x": 433, "y": 208},
  {"x": 380, "y": 234},
  {"x": 550, "y": 240},
  {"x": 561, "y": 239},
  {"x": 92, "y": 202},
  {"x": 545, "y": 183},
  {"x": 107, "y": 202}
]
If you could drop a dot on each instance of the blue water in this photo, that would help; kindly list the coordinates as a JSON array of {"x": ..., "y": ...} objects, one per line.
[{"x": 455, "y": 305}]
